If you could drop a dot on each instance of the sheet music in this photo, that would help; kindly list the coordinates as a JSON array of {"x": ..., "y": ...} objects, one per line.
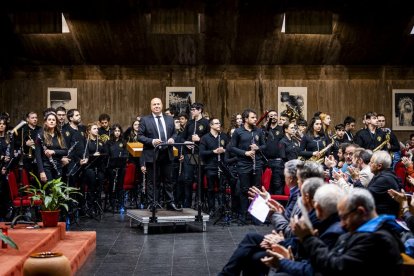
[{"x": 258, "y": 208}]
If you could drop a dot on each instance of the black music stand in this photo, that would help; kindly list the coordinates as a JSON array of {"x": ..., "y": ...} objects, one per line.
[
  {"x": 154, "y": 203},
  {"x": 94, "y": 161},
  {"x": 116, "y": 163}
]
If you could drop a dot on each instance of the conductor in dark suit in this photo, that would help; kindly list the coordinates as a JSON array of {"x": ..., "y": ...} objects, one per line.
[{"x": 153, "y": 130}]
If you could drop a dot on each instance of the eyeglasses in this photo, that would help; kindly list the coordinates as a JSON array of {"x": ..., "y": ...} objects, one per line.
[{"x": 346, "y": 215}]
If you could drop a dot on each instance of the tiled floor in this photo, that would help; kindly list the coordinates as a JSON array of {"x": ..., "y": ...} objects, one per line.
[{"x": 122, "y": 250}]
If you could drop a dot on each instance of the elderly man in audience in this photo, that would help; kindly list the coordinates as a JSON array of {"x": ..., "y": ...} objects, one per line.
[
  {"x": 371, "y": 247},
  {"x": 253, "y": 247},
  {"x": 325, "y": 202},
  {"x": 384, "y": 179}
]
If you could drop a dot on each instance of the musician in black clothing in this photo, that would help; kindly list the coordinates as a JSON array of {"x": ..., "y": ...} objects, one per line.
[
  {"x": 230, "y": 159},
  {"x": 25, "y": 141},
  {"x": 314, "y": 141},
  {"x": 339, "y": 138},
  {"x": 247, "y": 142},
  {"x": 212, "y": 148},
  {"x": 105, "y": 128},
  {"x": 274, "y": 134},
  {"x": 94, "y": 167},
  {"x": 75, "y": 138},
  {"x": 50, "y": 148},
  {"x": 288, "y": 146},
  {"x": 349, "y": 124},
  {"x": 372, "y": 136},
  {"x": 116, "y": 148},
  {"x": 193, "y": 131},
  {"x": 5, "y": 157}
]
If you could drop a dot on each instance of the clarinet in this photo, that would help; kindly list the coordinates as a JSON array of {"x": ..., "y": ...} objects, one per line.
[
  {"x": 195, "y": 128},
  {"x": 218, "y": 158},
  {"x": 72, "y": 148},
  {"x": 181, "y": 162},
  {"x": 254, "y": 156},
  {"x": 51, "y": 160}
]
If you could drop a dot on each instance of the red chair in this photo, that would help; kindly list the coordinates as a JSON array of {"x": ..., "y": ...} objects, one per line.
[
  {"x": 266, "y": 177},
  {"x": 17, "y": 200},
  {"x": 129, "y": 185}
]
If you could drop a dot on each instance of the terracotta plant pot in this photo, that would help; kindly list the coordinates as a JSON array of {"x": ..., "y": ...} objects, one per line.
[
  {"x": 50, "y": 218},
  {"x": 47, "y": 263}
]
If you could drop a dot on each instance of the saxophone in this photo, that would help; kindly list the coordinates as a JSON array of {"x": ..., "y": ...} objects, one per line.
[
  {"x": 386, "y": 141},
  {"x": 322, "y": 152}
]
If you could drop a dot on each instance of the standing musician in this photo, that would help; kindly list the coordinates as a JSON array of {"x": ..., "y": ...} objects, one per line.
[
  {"x": 116, "y": 148},
  {"x": 75, "y": 138},
  {"x": 5, "y": 143},
  {"x": 371, "y": 137},
  {"x": 178, "y": 176},
  {"x": 156, "y": 129},
  {"x": 193, "y": 131},
  {"x": 212, "y": 149},
  {"x": 104, "y": 129},
  {"x": 132, "y": 135},
  {"x": 349, "y": 123},
  {"x": 94, "y": 170},
  {"x": 50, "y": 148},
  {"x": 61, "y": 114},
  {"x": 393, "y": 145},
  {"x": 326, "y": 124},
  {"x": 274, "y": 133},
  {"x": 290, "y": 143},
  {"x": 314, "y": 141},
  {"x": 246, "y": 142},
  {"x": 25, "y": 141},
  {"x": 339, "y": 138},
  {"x": 5, "y": 157}
]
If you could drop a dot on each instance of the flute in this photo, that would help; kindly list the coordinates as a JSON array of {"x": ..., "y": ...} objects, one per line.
[
  {"x": 218, "y": 158},
  {"x": 254, "y": 156},
  {"x": 181, "y": 162},
  {"x": 51, "y": 160}
]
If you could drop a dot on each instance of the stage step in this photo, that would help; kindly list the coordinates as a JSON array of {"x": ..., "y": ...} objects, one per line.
[{"x": 75, "y": 245}]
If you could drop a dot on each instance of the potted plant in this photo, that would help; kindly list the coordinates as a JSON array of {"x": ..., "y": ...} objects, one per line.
[{"x": 54, "y": 194}]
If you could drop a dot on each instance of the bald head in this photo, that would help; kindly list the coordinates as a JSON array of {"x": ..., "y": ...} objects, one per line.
[{"x": 156, "y": 106}]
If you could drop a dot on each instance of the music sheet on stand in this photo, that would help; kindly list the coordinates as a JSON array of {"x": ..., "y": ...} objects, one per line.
[{"x": 258, "y": 208}]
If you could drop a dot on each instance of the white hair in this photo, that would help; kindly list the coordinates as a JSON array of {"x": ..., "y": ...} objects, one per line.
[{"x": 328, "y": 196}]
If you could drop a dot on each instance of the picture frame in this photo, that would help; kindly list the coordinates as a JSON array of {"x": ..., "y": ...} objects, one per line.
[
  {"x": 403, "y": 109},
  {"x": 294, "y": 98},
  {"x": 59, "y": 96},
  {"x": 179, "y": 99}
]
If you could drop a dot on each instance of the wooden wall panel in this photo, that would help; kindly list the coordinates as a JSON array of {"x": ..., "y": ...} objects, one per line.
[{"x": 124, "y": 92}]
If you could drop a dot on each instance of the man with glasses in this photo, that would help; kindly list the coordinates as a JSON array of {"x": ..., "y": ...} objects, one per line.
[
  {"x": 212, "y": 148},
  {"x": 371, "y": 247}
]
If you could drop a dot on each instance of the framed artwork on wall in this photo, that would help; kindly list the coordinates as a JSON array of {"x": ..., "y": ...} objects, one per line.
[
  {"x": 293, "y": 100},
  {"x": 403, "y": 109},
  {"x": 179, "y": 99},
  {"x": 66, "y": 97}
]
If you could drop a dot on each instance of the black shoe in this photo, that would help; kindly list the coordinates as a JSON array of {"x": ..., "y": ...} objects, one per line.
[{"x": 172, "y": 207}]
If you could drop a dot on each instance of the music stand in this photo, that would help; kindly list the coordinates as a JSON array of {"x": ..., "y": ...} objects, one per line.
[
  {"x": 116, "y": 163},
  {"x": 94, "y": 161},
  {"x": 154, "y": 204}
]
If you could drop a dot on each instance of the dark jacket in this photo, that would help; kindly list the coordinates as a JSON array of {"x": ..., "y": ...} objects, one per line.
[
  {"x": 373, "y": 249},
  {"x": 379, "y": 186},
  {"x": 329, "y": 231}
]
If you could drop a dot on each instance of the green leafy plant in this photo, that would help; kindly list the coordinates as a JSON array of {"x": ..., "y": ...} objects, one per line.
[
  {"x": 53, "y": 194},
  {"x": 8, "y": 240}
]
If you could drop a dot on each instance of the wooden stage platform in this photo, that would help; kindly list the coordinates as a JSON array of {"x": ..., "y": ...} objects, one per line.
[{"x": 165, "y": 217}]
